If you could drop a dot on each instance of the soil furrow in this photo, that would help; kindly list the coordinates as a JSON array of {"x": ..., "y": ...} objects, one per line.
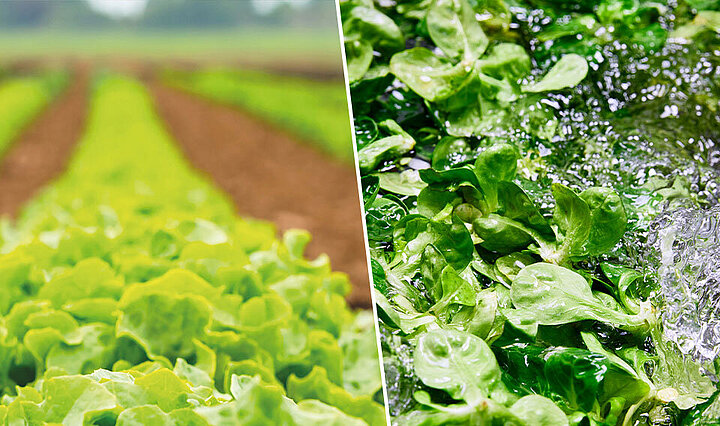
[
  {"x": 42, "y": 151},
  {"x": 271, "y": 176}
]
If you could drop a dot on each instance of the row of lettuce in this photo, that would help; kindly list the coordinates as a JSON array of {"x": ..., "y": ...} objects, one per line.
[
  {"x": 313, "y": 110},
  {"x": 514, "y": 155},
  {"x": 133, "y": 294},
  {"x": 23, "y": 98}
]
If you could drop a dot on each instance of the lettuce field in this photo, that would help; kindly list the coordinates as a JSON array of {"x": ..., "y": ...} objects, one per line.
[{"x": 132, "y": 294}]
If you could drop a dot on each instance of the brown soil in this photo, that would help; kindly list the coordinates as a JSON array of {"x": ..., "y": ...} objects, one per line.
[
  {"x": 271, "y": 176},
  {"x": 43, "y": 149}
]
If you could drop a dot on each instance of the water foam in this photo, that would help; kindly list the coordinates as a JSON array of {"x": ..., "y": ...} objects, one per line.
[{"x": 684, "y": 246}]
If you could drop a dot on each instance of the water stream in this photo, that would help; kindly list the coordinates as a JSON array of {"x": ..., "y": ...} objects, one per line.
[{"x": 683, "y": 254}]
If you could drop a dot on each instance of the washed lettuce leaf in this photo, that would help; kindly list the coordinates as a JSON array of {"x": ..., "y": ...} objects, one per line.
[{"x": 548, "y": 137}]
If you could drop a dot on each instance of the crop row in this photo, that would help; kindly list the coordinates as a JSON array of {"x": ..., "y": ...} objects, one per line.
[
  {"x": 315, "y": 111},
  {"x": 22, "y": 98}
]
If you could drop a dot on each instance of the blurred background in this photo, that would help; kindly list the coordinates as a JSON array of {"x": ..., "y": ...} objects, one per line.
[
  {"x": 252, "y": 92},
  {"x": 297, "y": 34}
]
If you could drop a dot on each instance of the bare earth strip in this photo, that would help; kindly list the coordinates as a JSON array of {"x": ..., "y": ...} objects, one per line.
[
  {"x": 42, "y": 151},
  {"x": 271, "y": 176}
]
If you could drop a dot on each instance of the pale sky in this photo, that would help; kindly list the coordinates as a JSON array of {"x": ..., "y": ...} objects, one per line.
[
  {"x": 119, "y": 8},
  {"x": 135, "y": 8},
  {"x": 264, "y": 7}
]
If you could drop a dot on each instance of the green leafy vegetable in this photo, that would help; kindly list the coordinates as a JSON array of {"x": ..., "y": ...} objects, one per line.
[
  {"x": 359, "y": 58},
  {"x": 570, "y": 70},
  {"x": 512, "y": 239},
  {"x": 551, "y": 295},
  {"x": 572, "y": 216},
  {"x": 430, "y": 76},
  {"x": 607, "y": 217},
  {"x": 451, "y": 24},
  {"x": 398, "y": 143},
  {"x": 459, "y": 363}
]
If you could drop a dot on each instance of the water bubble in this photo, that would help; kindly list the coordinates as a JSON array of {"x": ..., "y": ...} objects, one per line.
[{"x": 683, "y": 254}]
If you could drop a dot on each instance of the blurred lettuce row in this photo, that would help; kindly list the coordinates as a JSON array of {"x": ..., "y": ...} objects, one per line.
[
  {"x": 130, "y": 293},
  {"x": 314, "y": 111},
  {"x": 23, "y": 98}
]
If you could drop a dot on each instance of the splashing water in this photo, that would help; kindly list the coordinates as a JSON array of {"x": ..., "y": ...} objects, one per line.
[
  {"x": 400, "y": 378},
  {"x": 685, "y": 244}
]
